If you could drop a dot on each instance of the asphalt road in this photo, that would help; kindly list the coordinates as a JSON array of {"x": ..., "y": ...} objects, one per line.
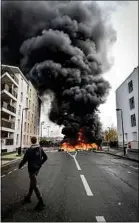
[{"x": 89, "y": 188}]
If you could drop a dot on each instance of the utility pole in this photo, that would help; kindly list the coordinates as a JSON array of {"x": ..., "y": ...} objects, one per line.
[
  {"x": 119, "y": 109},
  {"x": 48, "y": 130},
  {"x": 42, "y": 123},
  {"x": 21, "y": 136},
  {"x": 109, "y": 138}
]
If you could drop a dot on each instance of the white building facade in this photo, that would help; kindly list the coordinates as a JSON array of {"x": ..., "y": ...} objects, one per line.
[
  {"x": 127, "y": 100},
  {"x": 15, "y": 109}
]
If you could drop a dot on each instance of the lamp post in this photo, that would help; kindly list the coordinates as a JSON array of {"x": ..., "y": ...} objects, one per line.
[
  {"x": 108, "y": 138},
  {"x": 42, "y": 123},
  {"x": 48, "y": 130},
  {"x": 119, "y": 109},
  {"x": 19, "y": 151}
]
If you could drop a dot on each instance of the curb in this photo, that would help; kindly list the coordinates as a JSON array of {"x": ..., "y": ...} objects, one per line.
[
  {"x": 8, "y": 165},
  {"x": 99, "y": 151},
  {"x": 122, "y": 157}
]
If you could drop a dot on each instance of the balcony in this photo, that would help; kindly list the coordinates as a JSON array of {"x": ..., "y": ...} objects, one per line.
[
  {"x": 7, "y": 124},
  {"x": 7, "y": 141},
  {"x": 7, "y": 70},
  {"x": 9, "y": 89},
  {"x": 8, "y": 107}
]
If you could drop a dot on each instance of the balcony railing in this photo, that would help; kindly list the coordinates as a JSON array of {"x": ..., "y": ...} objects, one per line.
[
  {"x": 7, "y": 141},
  {"x": 9, "y": 89},
  {"x": 8, "y": 107},
  {"x": 7, "y": 124},
  {"x": 6, "y": 69}
]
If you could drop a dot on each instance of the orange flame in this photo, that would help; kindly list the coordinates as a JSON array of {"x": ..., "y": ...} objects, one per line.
[{"x": 81, "y": 145}]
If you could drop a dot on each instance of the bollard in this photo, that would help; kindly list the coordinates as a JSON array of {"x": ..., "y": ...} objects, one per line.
[{"x": 19, "y": 151}]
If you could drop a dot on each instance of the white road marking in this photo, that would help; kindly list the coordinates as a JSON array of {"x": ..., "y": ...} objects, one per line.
[
  {"x": 136, "y": 168},
  {"x": 75, "y": 154},
  {"x": 10, "y": 172},
  {"x": 128, "y": 171},
  {"x": 15, "y": 169},
  {"x": 3, "y": 175},
  {"x": 70, "y": 154},
  {"x": 77, "y": 164},
  {"x": 86, "y": 186},
  {"x": 100, "y": 219}
]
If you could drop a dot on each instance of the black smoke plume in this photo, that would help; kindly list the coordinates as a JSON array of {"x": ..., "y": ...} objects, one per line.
[{"x": 62, "y": 47}]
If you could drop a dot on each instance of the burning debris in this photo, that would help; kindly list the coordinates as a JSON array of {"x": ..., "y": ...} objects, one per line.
[
  {"x": 80, "y": 145},
  {"x": 62, "y": 47}
]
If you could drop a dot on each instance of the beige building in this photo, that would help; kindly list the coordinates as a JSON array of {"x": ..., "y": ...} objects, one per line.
[
  {"x": 17, "y": 123},
  {"x": 31, "y": 116}
]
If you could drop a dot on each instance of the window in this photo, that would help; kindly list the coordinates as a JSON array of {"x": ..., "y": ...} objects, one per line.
[
  {"x": 30, "y": 93},
  {"x": 24, "y": 139},
  {"x": 134, "y": 136},
  {"x": 22, "y": 83},
  {"x": 28, "y": 128},
  {"x": 9, "y": 141},
  {"x": 27, "y": 89},
  {"x": 25, "y": 127},
  {"x": 133, "y": 120},
  {"x": 132, "y": 103},
  {"x": 27, "y": 102},
  {"x": 130, "y": 86},
  {"x": 21, "y": 96},
  {"x": 17, "y": 138},
  {"x": 19, "y": 112},
  {"x": 18, "y": 124},
  {"x": 26, "y": 114}
]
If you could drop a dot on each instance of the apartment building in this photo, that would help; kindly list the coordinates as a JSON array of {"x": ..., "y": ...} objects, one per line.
[
  {"x": 17, "y": 109},
  {"x": 127, "y": 100},
  {"x": 32, "y": 116}
]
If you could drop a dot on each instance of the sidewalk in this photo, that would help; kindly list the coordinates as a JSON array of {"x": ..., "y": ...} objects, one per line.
[
  {"x": 7, "y": 159},
  {"x": 119, "y": 152}
]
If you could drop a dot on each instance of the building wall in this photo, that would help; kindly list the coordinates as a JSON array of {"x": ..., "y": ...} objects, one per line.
[
  {"x": 122, "y": 101},
  {"x": 27, "y": 97}
]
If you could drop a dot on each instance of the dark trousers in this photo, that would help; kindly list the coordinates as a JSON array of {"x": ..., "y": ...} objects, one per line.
[{"x": 34, "y": 186}]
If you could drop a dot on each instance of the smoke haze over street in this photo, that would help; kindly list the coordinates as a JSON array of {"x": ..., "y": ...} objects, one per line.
[{"x": 63, "y": 48}]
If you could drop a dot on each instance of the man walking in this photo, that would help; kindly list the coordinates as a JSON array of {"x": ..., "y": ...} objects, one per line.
[{"x": 35, "y": 156}]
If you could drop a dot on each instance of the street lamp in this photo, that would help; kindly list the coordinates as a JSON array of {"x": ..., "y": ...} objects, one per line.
[
  {"x": 108, "y": 138},
  {"x": 42, "y": 123},
  {"x": 48, "y": 130},
  {"x": 119, "y": 109},
  {"x": 24, "y": 109}
]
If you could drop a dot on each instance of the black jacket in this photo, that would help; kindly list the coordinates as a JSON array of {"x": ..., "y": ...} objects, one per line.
[{"x": 35, "y": 156}]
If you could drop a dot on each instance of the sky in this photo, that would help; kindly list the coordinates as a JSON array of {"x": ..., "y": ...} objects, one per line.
[{"x": 124, "y": 19}]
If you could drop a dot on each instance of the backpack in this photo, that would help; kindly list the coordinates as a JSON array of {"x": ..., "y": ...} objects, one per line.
[{"x": 38, "y": 154}]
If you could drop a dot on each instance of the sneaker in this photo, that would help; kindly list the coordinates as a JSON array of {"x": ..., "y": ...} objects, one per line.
[
  {"x": 26, "y": 200},
  {"x": 39, "y": 206}
]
